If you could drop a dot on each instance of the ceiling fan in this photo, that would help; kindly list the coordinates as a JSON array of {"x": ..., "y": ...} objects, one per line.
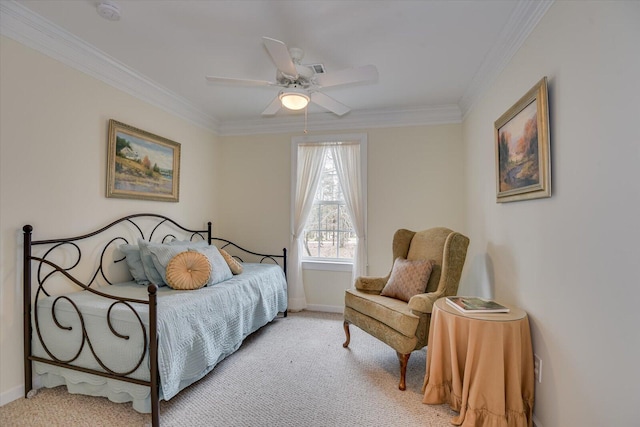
[{"x": 300, "y": 83}]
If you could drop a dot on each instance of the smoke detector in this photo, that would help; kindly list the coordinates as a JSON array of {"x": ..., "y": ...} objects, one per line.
[{"x": 109, "y": 10}]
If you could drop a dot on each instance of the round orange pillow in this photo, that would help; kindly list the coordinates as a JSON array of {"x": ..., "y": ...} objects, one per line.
[{"x": 188, "y": 270}]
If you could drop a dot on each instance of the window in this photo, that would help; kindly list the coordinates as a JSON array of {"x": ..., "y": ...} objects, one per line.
[
  {"x": 329, "y": 233},
  {"x": 329, "y": 215}
]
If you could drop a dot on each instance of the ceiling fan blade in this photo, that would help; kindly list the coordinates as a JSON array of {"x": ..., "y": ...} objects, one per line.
[
  {"x": 241, "y": 82},
  {"x": 329, "y": 103},
  {"x": 281, "y": 57},
  {"x": 273, "y": 108},
  {"x": 363, "y": 74}
]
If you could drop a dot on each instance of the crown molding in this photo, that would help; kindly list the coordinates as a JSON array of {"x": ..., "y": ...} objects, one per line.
[
  {"x": 520, "y": 24},
  {"x": 24, "y": 26},
  {"x": 366, "y": 119},
  {"x": 19, "y": 23}
]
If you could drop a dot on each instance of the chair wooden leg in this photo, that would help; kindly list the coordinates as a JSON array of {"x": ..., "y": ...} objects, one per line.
[
  {"x": 404, "y": 359},
  {"x": 347, "y": 333}
]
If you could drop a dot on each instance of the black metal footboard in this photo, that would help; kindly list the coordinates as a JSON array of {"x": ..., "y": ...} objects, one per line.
[{"x": 59, "y": 264}]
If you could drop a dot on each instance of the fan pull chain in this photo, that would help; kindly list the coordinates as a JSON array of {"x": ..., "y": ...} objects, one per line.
[{"x": 305, "y": 119}]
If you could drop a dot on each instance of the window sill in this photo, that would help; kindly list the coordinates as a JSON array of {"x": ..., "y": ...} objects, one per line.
[{"x": 327, "y": 265}]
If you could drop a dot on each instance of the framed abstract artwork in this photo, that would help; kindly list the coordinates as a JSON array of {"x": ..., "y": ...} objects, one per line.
[
  {"x": 522, "y": 148},
  {"x": 141, "y": 165}
]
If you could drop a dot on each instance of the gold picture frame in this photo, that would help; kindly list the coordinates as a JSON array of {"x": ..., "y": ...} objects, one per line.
[
  {"x": 141, "y": 165},
  {"x": 522, "y": 148}
]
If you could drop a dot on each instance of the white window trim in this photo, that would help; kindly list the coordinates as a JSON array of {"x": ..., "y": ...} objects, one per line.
[
  {"x": 308, "y": 264},
  {"x": 361, "y": 138}
]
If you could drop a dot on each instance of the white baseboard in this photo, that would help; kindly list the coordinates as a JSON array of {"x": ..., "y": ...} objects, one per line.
[
  {"x": 18, "y": 391},
  {"x": 11, "y": 395},
  {"x": 536, "y": 422},
  {"x": 325, "y": 308}
]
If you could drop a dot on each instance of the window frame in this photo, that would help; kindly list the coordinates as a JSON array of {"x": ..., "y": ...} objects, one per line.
[{"x": 331, "y": 264}]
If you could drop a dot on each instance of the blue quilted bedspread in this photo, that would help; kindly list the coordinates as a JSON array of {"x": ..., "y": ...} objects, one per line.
[{"x": 196, "y": 330}]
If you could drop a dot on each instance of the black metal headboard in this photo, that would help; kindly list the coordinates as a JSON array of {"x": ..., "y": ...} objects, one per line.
[{"x": 153, "y": 230}]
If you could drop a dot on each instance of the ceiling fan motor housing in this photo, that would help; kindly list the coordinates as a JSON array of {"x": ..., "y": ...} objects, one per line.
[{"x": 304, "y": 79}]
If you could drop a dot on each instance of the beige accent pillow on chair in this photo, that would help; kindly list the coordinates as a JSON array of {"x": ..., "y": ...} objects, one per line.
[{"x": 408, "y": 278}]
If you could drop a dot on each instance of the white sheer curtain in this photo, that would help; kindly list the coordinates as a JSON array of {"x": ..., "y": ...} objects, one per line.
[
  {"x": 348, "y": 167},
  {"x": 310, "y": 161}
]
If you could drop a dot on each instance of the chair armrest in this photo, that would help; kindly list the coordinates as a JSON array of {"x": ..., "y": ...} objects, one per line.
[
  {"x": 423, "y": 303},
  {"x": 372, "y": 285}
]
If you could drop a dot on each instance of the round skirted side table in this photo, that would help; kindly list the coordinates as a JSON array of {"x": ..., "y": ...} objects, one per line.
[{"x": 481, "y": 365}]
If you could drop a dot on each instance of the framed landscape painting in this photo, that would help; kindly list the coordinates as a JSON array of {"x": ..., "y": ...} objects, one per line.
[
  {"x": 522, "y": 148},
  {"x": 141, "y": 165}
]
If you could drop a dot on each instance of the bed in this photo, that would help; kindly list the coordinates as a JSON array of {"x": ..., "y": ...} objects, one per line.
[{"x": 93, "y": 324}]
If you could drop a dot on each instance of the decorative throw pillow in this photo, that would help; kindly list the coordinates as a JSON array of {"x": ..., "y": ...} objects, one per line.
[
  {"x": 220, "y": 271},
  {"x": 134, "y": 262},
  {"x": 150, "y": 270},
  {"x": 188, "y": 270},
  {"x": 234, "y": 265},
  {"x": 156, "y": 256},
  {"x": 408, "y": 278}
]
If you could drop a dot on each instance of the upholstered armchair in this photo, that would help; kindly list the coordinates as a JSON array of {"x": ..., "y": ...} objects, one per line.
[{"x": 404, "y": 324}]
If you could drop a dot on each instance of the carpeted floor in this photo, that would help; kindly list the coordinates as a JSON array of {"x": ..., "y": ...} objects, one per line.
[{"x": 292, "y": 372}]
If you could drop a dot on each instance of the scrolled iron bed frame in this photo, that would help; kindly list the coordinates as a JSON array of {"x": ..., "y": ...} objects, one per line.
[{"x": 150, "y": 343}]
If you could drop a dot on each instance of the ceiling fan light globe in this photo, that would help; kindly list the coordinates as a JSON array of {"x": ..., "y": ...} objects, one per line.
[{"x": 294, "y": 100}]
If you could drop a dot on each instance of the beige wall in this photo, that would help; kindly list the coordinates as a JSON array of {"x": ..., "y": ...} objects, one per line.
[
  {"x": 415, "y": 181},
  {"x": 570, "y": 261},
  {"x": 53, "y": 130}
]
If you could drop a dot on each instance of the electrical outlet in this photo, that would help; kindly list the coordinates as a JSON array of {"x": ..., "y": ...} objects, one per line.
[{"x": 537, "y": 367}]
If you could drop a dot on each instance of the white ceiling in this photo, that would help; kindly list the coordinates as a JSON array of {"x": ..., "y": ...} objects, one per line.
[{"x": 433, "y": 57}]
